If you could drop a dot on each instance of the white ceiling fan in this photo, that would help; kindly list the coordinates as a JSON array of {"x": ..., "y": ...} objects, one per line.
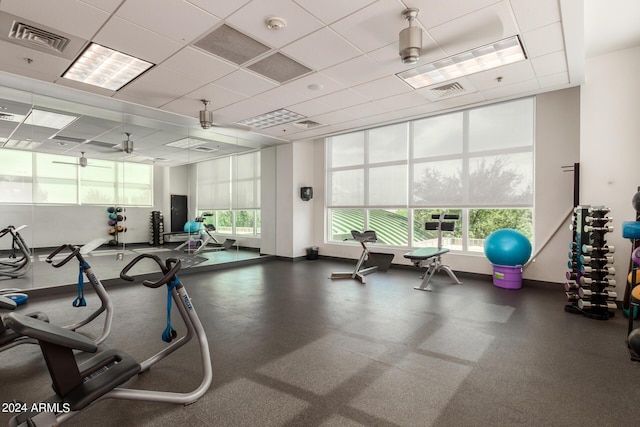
[{"x": 83, "y": 162}]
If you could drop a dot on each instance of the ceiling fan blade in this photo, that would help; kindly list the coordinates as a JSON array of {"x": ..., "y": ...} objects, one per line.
[
  {"x": 235, "y": 126},
  {"x": 65, "y": 163}
]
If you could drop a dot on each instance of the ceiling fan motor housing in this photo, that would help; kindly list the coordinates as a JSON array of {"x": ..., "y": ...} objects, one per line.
[{"x": 410, "y": 44}]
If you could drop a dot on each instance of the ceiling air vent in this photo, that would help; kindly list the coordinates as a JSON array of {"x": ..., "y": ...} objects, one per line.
[
  {"x": 447, "y": 90},
  {"x": 204, "y": 149},
  {"x": 7, "y": 117},
  {"x": 306, "y": 124},
  {"x": 42, "y": 38}
]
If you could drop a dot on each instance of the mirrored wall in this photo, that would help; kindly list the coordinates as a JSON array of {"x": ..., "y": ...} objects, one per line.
[{"x": 72, "y": 172}]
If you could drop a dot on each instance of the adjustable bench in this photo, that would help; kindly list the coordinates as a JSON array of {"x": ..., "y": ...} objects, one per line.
[{"x": 431, "y": 257}]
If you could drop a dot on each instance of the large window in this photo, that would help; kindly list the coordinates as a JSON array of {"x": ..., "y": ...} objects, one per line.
[
  {"x": 228, "y": 193},
  {"x": 477, "y": 163},
  {"x": 40, "y": 178}
]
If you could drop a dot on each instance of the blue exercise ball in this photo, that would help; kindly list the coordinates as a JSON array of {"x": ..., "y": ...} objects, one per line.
[
  {"x": 507, "y": 247},
  {"x": 191, "y": 227}
]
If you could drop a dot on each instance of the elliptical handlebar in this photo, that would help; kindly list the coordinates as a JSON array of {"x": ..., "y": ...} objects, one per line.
[
  {"x": 75, "y": 250},
  {"x": 169, "y": 270}
]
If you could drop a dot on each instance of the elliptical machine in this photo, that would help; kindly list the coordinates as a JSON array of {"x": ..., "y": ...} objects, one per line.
[{"x": 78, "y": 386}]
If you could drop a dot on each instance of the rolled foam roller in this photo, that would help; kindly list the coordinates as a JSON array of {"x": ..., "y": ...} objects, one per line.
[{"x": 631, "y": 229}]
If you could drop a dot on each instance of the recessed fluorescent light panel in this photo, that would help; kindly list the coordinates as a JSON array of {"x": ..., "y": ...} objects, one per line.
[
  {"x": 483, "y": 58},
  {"x": 189, "y": 143},
  {"x": 48, "y": 119},
  {"x": 106, "y": 68},
  {"x": 21, "y": 144},
  {"x": 274, "y": 118}
]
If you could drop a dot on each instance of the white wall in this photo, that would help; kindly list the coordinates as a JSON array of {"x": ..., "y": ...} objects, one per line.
[
  {"x": 284, "y": 201},
  {"x": 268, "y": 201},
  {"x": 610, "y": 146},
  {"x": 303, "y": 212}
]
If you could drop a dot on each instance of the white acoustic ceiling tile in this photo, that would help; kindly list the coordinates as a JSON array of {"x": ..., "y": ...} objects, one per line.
[
  {"x": 554, "y": 80},
  {"x": 436, "y": 12},
  {"x": 334, "y": 117},
  {"x": 423, "y": 110},
  {"x": 321, "y": 49},
  {"x": 514, "y": 90},
  {"x": 534, "y": 14},
  {"x": 242, "y": 110},
  {"x": 60, "y": 14},
  {"x": 283, "y": 97},
  {"x": 508, "y": 74},
  {"x": 251, "y": 20},
  {"x": 315, "y": 85},
  {"x": 118, "y": 35},
  {"x": 106, "y": 5},
  {"x": 245, "y": 83},
  {"x": 84, "y": 87},
  {"x": 476, "y": 29},
  {"x": 160, "y": 86},
  {"x": 342, "y": 99},
  {"x": 329, "y": 11},
  {"x": 161, "y": 19},
  {"x": 45, "y": 66},
  {"x": 194, "y": 62},
  {"x": 401, "y": 101},
  {"x": 381, "y": 119},
  {"x": 374, "y": 26},
  {"x": 365, "y": 110},
  {"x": 221, "y": 9},
  {"x": 355, "y": 71},
  {"x": 311, "y": 108},
  {"x": 543, "y": 40},
  {"x": 382, "y": 88},
  {"x": 285, "y": 131},
  {"x": 549, "y": 64},
  {"x": 218, "y": 96}
]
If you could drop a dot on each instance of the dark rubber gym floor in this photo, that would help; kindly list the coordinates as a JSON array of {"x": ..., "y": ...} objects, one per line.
[{"x": 291, "y": 347}]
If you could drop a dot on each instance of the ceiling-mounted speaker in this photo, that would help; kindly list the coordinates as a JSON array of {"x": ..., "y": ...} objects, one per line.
[
  {"x": 206, "y": 116},
  {"x": 410, "y": 40}
]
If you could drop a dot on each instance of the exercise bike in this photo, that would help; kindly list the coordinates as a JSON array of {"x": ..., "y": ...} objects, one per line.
[
  {"x": 19, "y": 260},
  {"x": 10, "y": 338},
  {"x": 78, "y": 386}
]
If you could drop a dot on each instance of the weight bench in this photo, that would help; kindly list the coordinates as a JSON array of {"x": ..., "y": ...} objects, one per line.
[
  {"x": 204, "y": 241},
  {"x": 431, "y": 258},
  {"x": 360, "y": 270}
]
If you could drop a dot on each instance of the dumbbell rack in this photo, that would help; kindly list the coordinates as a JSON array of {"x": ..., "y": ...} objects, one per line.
[
  {"x": 590, "y": 264},
  {"x": 156, "y": 228}
]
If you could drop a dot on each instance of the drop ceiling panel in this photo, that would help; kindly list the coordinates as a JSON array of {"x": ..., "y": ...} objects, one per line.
[
  {"x": 334, "y": 117},
  {"x": 311, "y": 108},
  {"x": 62, "y": 14},
  {"x": 343, "y": 99},
  {"x": 356, "y": 71},
  {"x": 221, "y": 9},
  {"x": 86, "y": 127},
  {"x": 374, "y": 26},
  {"x": 437, "y": 12},
  {"x": 245, "y": 83},
  {"x": 161, "y": 19},
  {"x": 329, "y": 11},
  {"x": 510, "y": 74},
  {"x": 157, "y": 87},
  {"x": 543, "y": 40},
  {"x": 513, "y": 90},
  {"x": 553, "y": 80},
  {"x": 314, "y": 85},
  {"x": 476, "y": 29},
  {"x": 322, "y": 49},
  {"x": 383, "y": 88},
  {"x": 42, "y": 66},
  {"x": 242, "y": 110},
  {"x": 549, "y": 64},
  {"x": 118, "y": 34},
  {"x": 251, "y": 20},
  {"x": 535, "y": 14},
  {"x": 106, "y": 5},
  {"x": 196, "y": 63}
]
